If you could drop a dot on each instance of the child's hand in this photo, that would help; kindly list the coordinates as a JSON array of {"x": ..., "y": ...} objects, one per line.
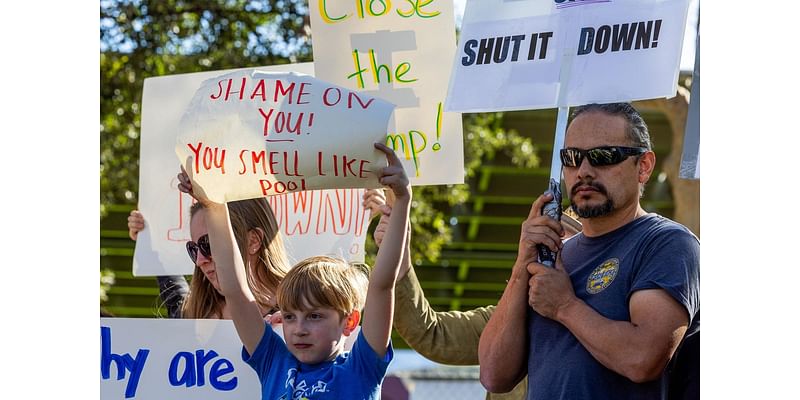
[
  {"x": 135, "y": 224},
  {"x": 393, "y": 175},
  {"x": 186, "y": 185}
]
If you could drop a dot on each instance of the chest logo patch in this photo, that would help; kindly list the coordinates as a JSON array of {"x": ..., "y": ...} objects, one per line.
[{"x": 602, "y": 276}]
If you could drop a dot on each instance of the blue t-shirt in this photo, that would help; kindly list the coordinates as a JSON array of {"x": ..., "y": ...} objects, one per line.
[
  {"x": 352, "y": 375},
  {"x": 651, "y": 252}
]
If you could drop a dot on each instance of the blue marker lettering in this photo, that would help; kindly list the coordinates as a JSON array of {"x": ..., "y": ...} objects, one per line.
[
  {"x": 123, "y": 362},
  {"x": 188, "y": 376},
  {"x": 222, "y": 367},
  {"x": 202, "y": 359}
]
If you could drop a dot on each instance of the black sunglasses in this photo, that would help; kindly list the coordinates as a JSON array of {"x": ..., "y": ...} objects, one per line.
[
  {"x": 599, "y": 156},
  {"x": 202, "y": 245}
]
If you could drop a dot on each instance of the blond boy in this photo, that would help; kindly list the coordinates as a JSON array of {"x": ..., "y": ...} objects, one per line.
[{"x": 321, "y": 300}]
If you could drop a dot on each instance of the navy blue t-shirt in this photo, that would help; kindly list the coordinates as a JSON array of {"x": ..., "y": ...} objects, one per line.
[
  {"x": 651, "y": 252},
  {"x": 355, "y": 375}
]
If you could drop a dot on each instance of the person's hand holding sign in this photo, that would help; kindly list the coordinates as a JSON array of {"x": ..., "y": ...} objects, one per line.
[
  {"x": 186, "y": 185},
  {"x": 135, "y": 224},
  {"x": 549, "y": 289},
  {"x": 539, "y": 229},
  {"x": 375, "y": 200},
  {"x": 393, "y": 175}
]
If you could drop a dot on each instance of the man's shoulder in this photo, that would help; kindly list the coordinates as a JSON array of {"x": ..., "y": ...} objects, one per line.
[{"x": 662, "y": 225}]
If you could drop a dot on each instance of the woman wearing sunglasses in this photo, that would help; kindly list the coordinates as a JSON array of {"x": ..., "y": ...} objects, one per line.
[{"x": 261, "y": 246}]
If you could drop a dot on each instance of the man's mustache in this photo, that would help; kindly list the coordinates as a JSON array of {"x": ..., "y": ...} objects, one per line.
[{"x": 596, "y": 185}]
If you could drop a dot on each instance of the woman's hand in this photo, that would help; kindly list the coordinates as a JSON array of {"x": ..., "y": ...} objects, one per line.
[
  {"x": 374, "y": 199},
  {"x": 135, "y": 224}
]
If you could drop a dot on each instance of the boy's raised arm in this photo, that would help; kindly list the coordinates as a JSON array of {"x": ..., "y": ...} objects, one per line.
[
  {"x": 230, "y": 269},
  {"x": 379, "y": 307}
]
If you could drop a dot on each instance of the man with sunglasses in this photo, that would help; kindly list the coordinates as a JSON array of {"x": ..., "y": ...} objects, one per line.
[{"x": 606, "y": 321}]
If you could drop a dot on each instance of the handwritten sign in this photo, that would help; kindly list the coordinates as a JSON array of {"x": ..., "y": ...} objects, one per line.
[
  {"x": 252, "y": 133},
  {"x": 154, "y": 359},
  {"x": 322, "y": 222},
  {"x": 690, "y": 157},
  {"x": 333, "y": 222},
  {"x": 173, "y": 359},
  {"x": 316, "y": 222},
  {"x": 512, "y": 54},
  {"x": 401, "y": 52}
]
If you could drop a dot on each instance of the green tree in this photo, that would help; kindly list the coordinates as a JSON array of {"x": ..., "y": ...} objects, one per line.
[{"x": 141, "y": 39}]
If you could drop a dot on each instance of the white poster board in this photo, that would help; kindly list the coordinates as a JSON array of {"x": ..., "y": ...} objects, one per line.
[
  {"x": 322, "y": 222},
  {"x": 155, "y": 359},
  {"x": 251, "y": 133},
  {"x": 173, "y": 359},
  {"x": 512, "y": 54},
  {"x": 399, "y": 51},
  {"x": 690, "y": 157},
  {"x": 160, "y": 247}
]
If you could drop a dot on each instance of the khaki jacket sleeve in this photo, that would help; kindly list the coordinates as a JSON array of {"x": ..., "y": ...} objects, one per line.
[{"x": 444, "y": 337}]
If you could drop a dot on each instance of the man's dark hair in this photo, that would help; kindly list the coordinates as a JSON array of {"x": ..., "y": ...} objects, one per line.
[{"x": 637, "y": 128}]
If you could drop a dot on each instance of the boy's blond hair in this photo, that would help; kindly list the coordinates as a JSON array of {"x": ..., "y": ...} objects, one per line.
[{"x": 323, "y": 281}]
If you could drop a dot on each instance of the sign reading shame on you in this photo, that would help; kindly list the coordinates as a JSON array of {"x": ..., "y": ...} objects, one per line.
[
  {"x": 250, "y": 134},
  {"x": 312, "y": 223}
]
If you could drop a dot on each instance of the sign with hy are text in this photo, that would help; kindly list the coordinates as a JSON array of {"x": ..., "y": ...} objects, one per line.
[{"x": 155, "y": 359}]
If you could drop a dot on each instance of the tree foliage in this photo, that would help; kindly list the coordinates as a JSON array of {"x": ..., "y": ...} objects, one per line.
[{"x": 141, "y": 39}]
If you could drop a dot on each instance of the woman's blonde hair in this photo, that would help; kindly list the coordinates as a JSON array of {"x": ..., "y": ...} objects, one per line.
[
  {"x": 323, "y": 281},
  {"x": 263, "y": 276}
]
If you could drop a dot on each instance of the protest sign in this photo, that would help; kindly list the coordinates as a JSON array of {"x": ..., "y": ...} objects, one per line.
[
  {"x": 154, "y": 359},
  {"x": 253, "y": 133},
  {"x": 690, "y": 157},
  {"x": 173, "y": 359},
  {"x": 160, "y": 247},
  {"x": 322, "y": 222},
  {"x": 510, "y": 53},
  {"x": 400, "y": 52}
]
